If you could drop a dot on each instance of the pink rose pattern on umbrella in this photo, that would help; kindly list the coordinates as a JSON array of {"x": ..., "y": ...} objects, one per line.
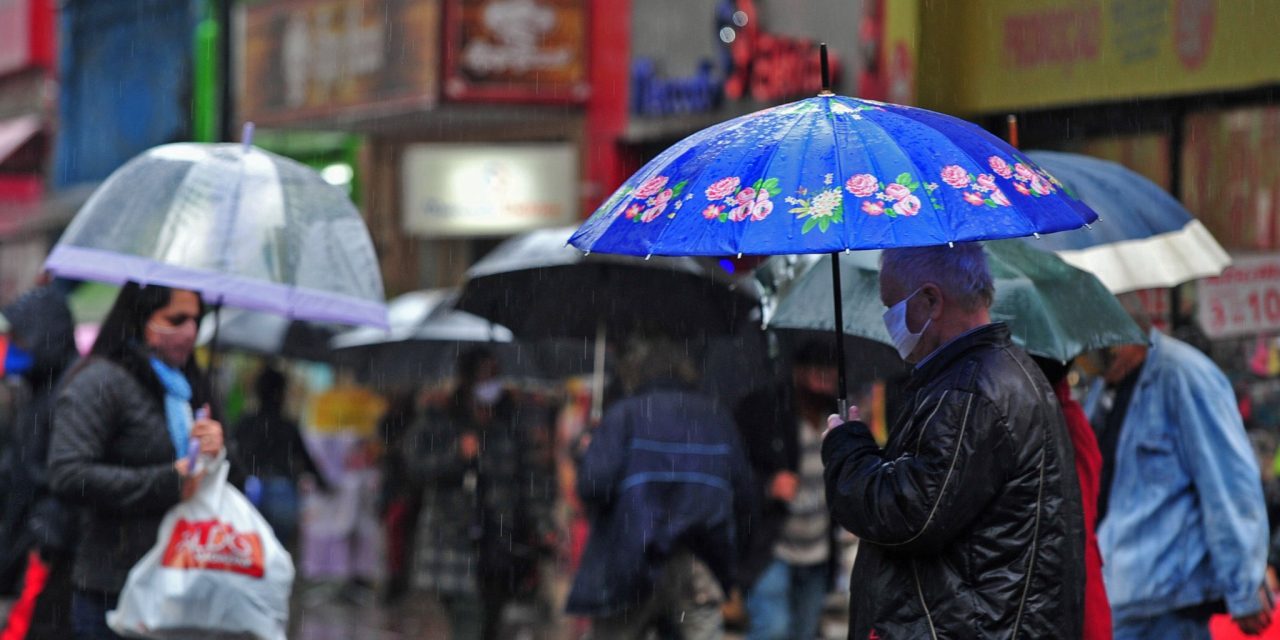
[
  {"x": 983, "y": 190},
  {"x": 898, "y": 198},
  {"x": 650, "y": 200},
  {"x": 729, "y": 200}
]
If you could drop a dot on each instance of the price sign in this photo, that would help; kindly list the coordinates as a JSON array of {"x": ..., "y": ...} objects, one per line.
[{"x": 1244, "y": 300}]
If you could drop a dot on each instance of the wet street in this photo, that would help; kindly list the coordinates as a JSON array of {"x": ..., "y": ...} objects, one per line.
[{"x": 323, "y": 612}]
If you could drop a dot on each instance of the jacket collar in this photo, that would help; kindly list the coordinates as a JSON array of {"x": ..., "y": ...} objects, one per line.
[{"x": 994, "y": 335}]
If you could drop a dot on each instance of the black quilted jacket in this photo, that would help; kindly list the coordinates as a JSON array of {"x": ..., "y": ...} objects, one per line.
[{"x": 970, "y": 519}]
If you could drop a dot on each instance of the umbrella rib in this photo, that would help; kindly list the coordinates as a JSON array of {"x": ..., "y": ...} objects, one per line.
[
  {"x": 836, "y": 152},
  {"x": 873, "y": 163},
  {"x": 798, "y": 119}
]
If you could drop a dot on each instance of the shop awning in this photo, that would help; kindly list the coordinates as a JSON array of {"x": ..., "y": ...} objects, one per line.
[{"x": 15, "y": 132}]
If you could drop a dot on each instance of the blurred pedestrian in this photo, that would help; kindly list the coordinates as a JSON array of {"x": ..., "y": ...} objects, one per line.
[
  {"x": 1182, "y": 521},
  {"x": 120, "y": 430},
  {"x": 486, "y": 500},
  {"x": 1088, "y": 460},
  {"x": 35, "y": 527},
  {"x": 668, "y": 490},
  {"x": 969, "y": 519},
  {"x": 790, "y": 559},
  {"x": 269, "y": 444},
  {"x": 399, "y": 501}
]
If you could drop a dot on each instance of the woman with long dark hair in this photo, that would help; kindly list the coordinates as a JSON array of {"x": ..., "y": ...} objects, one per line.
[{"x": 121, "y": 428}]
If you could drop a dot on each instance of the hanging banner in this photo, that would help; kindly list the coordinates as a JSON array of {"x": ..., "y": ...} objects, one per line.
[
  {"x": 337, "y": 60},
  {"x": 1244, "y": 300},
  {"x": 516, "y": 50},
  {"x": 989, "y": 56}
]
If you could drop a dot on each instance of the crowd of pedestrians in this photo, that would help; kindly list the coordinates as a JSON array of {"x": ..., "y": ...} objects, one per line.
[{"x": 998, "y": 507}]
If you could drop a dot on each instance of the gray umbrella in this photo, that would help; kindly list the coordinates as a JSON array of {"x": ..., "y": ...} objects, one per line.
[{"x": 267, "y": 334}]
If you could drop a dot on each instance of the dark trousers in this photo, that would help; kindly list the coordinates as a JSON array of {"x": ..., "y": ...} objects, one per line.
[{"x": 89, "y": 615}]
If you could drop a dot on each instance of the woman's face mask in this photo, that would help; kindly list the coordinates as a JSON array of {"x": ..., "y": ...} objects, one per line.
[
  {"x": 171, "y": 330},
  {"x": 895, "y": 321}
]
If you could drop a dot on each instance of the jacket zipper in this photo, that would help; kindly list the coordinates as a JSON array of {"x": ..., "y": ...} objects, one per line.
[
  {"x": 1035, "y": 535},
  {"x": 933, "y": 633},
  {"x": 1035, "y": 546}
]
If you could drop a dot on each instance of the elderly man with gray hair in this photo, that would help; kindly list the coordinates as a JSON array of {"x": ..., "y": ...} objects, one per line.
[{"x": 970, "y": 518}]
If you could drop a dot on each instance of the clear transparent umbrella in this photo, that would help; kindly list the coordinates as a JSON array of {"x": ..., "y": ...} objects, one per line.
[{"x": 244, "y": 227}]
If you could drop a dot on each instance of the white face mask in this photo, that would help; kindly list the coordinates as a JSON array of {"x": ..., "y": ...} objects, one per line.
[{"x": 895, "y": 320}]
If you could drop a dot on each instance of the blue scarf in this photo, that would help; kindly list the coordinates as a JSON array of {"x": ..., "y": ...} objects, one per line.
[{"x": 177, "y": 404}]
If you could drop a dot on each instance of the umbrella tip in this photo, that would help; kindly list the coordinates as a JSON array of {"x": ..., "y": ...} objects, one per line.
[
  {"x": 1037, "y": 235},
  {"x": 647, "y": 256},
  {"x": 1088, "y": 226},
  {"x": 951, "y": 244},
  {"x": 825, "y": 71},
  {"x": 847, "y": 251},
  {"x": 739, "y": 255}
]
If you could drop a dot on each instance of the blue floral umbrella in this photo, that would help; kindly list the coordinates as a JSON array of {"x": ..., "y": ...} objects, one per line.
[{"x": 827, "y": 174}]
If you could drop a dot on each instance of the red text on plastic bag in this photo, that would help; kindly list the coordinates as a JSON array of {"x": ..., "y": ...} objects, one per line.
[{"x": 213, "y": 545}]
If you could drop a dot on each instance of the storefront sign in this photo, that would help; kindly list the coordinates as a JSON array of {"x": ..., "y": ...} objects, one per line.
[
  {"x": 516, "y": 50},
  {"x": 476, "y": 189},
  {"x": 752, "y": 62},
  {"x": 1230, "y": 176},
  {"x": 1244, "y": 300},
  {"x": 989, "y": 56},
  {"x": 304, "y": 60}
]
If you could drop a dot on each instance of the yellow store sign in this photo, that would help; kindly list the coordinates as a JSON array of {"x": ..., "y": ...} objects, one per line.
[{"x": 987, "y": 56}]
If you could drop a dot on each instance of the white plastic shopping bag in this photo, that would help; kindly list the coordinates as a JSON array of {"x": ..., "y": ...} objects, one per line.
[{"x": 217, "y": 571}]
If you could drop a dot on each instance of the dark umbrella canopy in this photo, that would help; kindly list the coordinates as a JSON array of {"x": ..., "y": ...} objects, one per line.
[
  {"x": 267, "y": 334},
  {"x": 427, "y": 335},
  {"x": 539, "y": 287}
]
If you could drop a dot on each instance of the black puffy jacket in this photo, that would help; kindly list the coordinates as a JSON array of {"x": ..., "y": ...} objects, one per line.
[
  {"x": 111, "y": 456},
  {"x": 970, "y": 518}
]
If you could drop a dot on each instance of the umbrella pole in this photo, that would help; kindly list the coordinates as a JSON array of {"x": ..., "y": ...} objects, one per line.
[
  {"x": 842, "y": 389},
  {"x": 213, "y": 352},
  {"x": 597, "y": 376}
]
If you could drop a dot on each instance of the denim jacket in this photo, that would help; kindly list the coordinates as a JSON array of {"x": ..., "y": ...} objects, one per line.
[{"x": 1186, "y": 523}]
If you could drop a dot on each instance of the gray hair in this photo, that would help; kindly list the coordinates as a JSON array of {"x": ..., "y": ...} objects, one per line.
[{"x": 960, "y": 271}]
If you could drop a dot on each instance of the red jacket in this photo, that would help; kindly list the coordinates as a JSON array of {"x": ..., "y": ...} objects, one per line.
[{"x": 1097, "y": 613}]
